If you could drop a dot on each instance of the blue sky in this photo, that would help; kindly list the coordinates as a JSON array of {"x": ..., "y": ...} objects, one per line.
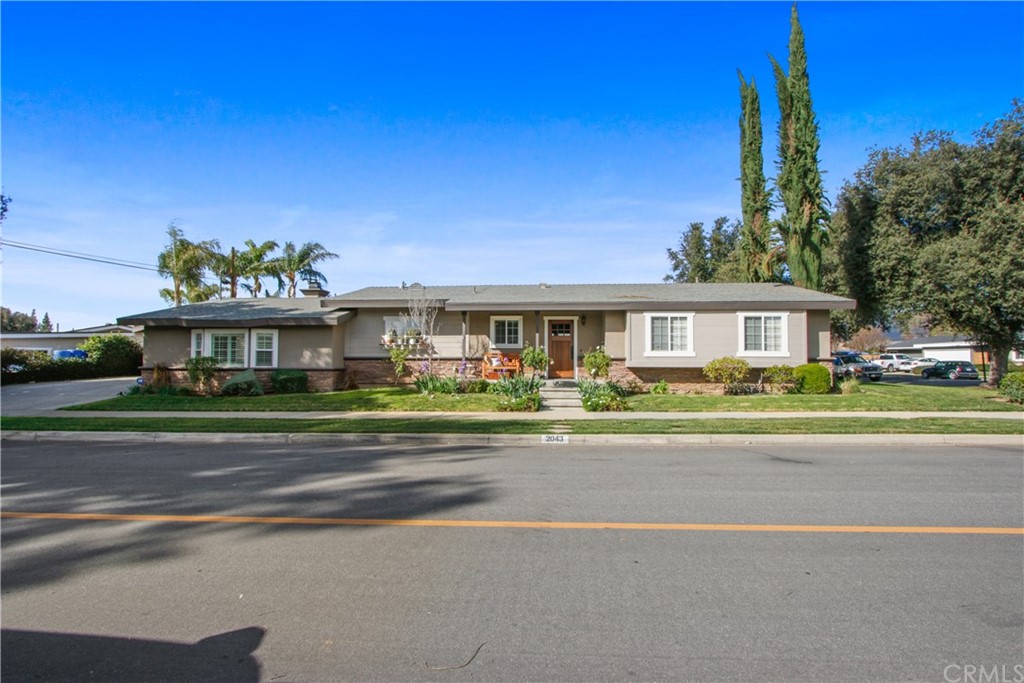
[{"x": 455, "y": 143}]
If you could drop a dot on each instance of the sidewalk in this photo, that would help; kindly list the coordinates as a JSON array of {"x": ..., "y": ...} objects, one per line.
[{"x": 554, "y": 414}]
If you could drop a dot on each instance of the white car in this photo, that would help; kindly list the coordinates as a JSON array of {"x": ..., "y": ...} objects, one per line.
[
  {"x": 920, "y": 363},
  {"x": 891, "y": 362}
]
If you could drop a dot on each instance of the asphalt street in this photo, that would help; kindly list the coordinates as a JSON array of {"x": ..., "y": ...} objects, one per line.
[{"x": 333, "y": 562}]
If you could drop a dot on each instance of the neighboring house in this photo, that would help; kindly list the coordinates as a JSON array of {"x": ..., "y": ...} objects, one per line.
[
  {"x": 942, "y": 348},
  {"x": 954, "y": 347},
  {"x": 654, "y": 331},
  {"x": 62, "y": 341}
]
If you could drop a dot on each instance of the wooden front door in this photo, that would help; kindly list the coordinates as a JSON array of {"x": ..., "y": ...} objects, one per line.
[{"x": 560, "y": 348}]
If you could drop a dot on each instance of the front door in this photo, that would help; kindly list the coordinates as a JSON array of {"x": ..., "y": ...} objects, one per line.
[{"x": 560, "y": 349}]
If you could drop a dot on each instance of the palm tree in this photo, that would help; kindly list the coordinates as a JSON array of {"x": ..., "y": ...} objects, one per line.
[
  {"x": 227, "y": 267},
  {"x": 295, "y": 264},
  {"x": 186, "y": 262},
  {"x": 254, "y": 264}
]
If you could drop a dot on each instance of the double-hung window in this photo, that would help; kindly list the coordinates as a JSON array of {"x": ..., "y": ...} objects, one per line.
[
  {"x": 763, "y": 334},
  {"x": 264, "y": 349},
  {"x": 507, "y": 331},
  {"x": 668, "y": 334},
  {"x": 228, "y": 348}
]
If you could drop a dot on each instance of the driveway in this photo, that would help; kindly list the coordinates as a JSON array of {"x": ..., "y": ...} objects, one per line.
[
  {"x": 908, "y": 378},
  {"x": 32, "y": 399}
]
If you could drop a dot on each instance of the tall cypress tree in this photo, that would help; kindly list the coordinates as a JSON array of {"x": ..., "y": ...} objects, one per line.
[
  {"x": 757, "y": 254},
  {"x": 804, "y": 225}
]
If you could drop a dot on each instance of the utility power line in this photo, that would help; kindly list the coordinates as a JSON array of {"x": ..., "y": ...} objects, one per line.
[{"x": 109, "y": 260}]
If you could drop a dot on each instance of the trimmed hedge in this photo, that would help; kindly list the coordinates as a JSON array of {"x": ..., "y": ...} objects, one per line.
[
  {"x": 289, "y": 382},
  {"x": 109, "y": 355},
  {"x": 812, "y": 378}
]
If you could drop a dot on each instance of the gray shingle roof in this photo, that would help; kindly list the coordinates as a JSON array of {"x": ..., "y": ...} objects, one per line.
[
  {"x": 597, "y": 296},
  {"x": 243, "y": 313}
]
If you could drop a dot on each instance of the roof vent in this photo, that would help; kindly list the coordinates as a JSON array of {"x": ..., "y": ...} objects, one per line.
[
  {"x": 416, "y": 285},
  {"x": 545, "y": 285}
]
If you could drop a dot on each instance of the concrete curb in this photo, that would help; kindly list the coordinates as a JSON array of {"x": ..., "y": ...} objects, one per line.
[{"x": 530, "y": 439}]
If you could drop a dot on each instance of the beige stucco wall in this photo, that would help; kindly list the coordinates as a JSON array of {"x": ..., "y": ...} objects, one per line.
[
  {"x": 715, "y": 334},
  {"x": 314, "y": 347},
  {"x": 819, "y": 335},
  {"x": 615, "y": 334},
  {"x": 307, "y": 347},
  {"x": 165, "y": 346}
]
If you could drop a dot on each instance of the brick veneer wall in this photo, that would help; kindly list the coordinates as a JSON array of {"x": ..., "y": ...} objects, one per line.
[
  {"x": 319, "y": 380},
  {"x": 370, "y": 373}
]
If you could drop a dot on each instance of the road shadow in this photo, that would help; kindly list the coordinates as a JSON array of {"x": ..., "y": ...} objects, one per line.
[
  {"x": 227, "y": 479},
  {"x": 47, "y": 656}
]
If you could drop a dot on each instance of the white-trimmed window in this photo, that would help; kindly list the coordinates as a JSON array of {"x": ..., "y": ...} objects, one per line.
[
  {"x": 237, "y": 348},
  {"x": 763, "y": 334},
  {"x": 197, "y": 344},
  {"x": 668, "y": 334},
  {"x": 228, "y": 347},
  {"x": 264, "y": 349},
  {"x": 507, "y": 331}
]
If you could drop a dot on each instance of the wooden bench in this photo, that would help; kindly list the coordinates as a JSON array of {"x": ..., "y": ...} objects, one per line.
[{"x": 497, "y": 364}]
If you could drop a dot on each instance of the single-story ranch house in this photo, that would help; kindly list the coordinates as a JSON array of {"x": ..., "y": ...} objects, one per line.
[{"x": 652, "y": 331}]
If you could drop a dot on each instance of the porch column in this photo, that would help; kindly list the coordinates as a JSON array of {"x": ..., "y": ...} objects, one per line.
[
  {"x": 465, "y": 336},
  {"x": 536, "y": 329}
]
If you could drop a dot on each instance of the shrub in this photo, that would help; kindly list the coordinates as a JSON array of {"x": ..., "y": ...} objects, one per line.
[
  {"x": 850, "y": 386},
  {"x": 475, "y": 386},
  {"x": 599, "y": 397},
  {"x": 779, "y": 377},
  {"x": 660, "y": 388},
  {"x": 113, "y": 354},
  {"x": 13, "y": 360},
  {"x": 289, "y": 382},
  {"x": 536, "y": 359},
  {"x": 433, "y": 384},
  {"x": 155, "y": 390},
  {"x": 597, "y": 362},
  {"x": 730, "y": 371},
  {"x": 244, "y": 383},
  {"x": 516, "y": 386},
  {"x": 399, "y": 355},
  {"x": 201, "y": 371},
  {"x": 1012, "y": 386},
  {"x": 529, "y": 403},
  {"x": 812, "y": 378},
  {"x": 21, "y": 367}
]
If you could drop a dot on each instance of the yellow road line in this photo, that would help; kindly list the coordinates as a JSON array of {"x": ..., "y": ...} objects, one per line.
[{"x": 497, "y": 524}]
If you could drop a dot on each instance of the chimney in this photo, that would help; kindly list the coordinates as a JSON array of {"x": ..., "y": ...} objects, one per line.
[{"x": 314, "y": 290}]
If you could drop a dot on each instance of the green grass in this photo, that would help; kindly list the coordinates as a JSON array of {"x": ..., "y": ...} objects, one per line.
[
  {"x": 873, "y": 396},
  {"x": 512, "y": 426},
  {"x": 389, "y": 399}
]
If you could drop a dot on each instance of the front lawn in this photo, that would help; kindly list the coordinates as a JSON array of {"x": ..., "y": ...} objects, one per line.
[
  {"x": 387, "y": 399},
  {"x": 389, "y": 425},
  {"x": 880, "y": 396}
]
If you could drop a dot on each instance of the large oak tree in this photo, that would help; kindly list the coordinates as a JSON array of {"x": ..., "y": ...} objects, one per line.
[{"x": 937, "y": 228}]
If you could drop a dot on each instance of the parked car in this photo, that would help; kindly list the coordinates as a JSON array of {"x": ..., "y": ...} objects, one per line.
[
  {"x": 953, "y": 369},
  {"x": 922, "y": 363},
  {"x": 847, "y": 364},
  {"x": 891, "y": 362}
]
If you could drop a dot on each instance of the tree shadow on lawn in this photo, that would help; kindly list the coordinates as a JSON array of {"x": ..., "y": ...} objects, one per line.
[{"x": 229, "y": 479}]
